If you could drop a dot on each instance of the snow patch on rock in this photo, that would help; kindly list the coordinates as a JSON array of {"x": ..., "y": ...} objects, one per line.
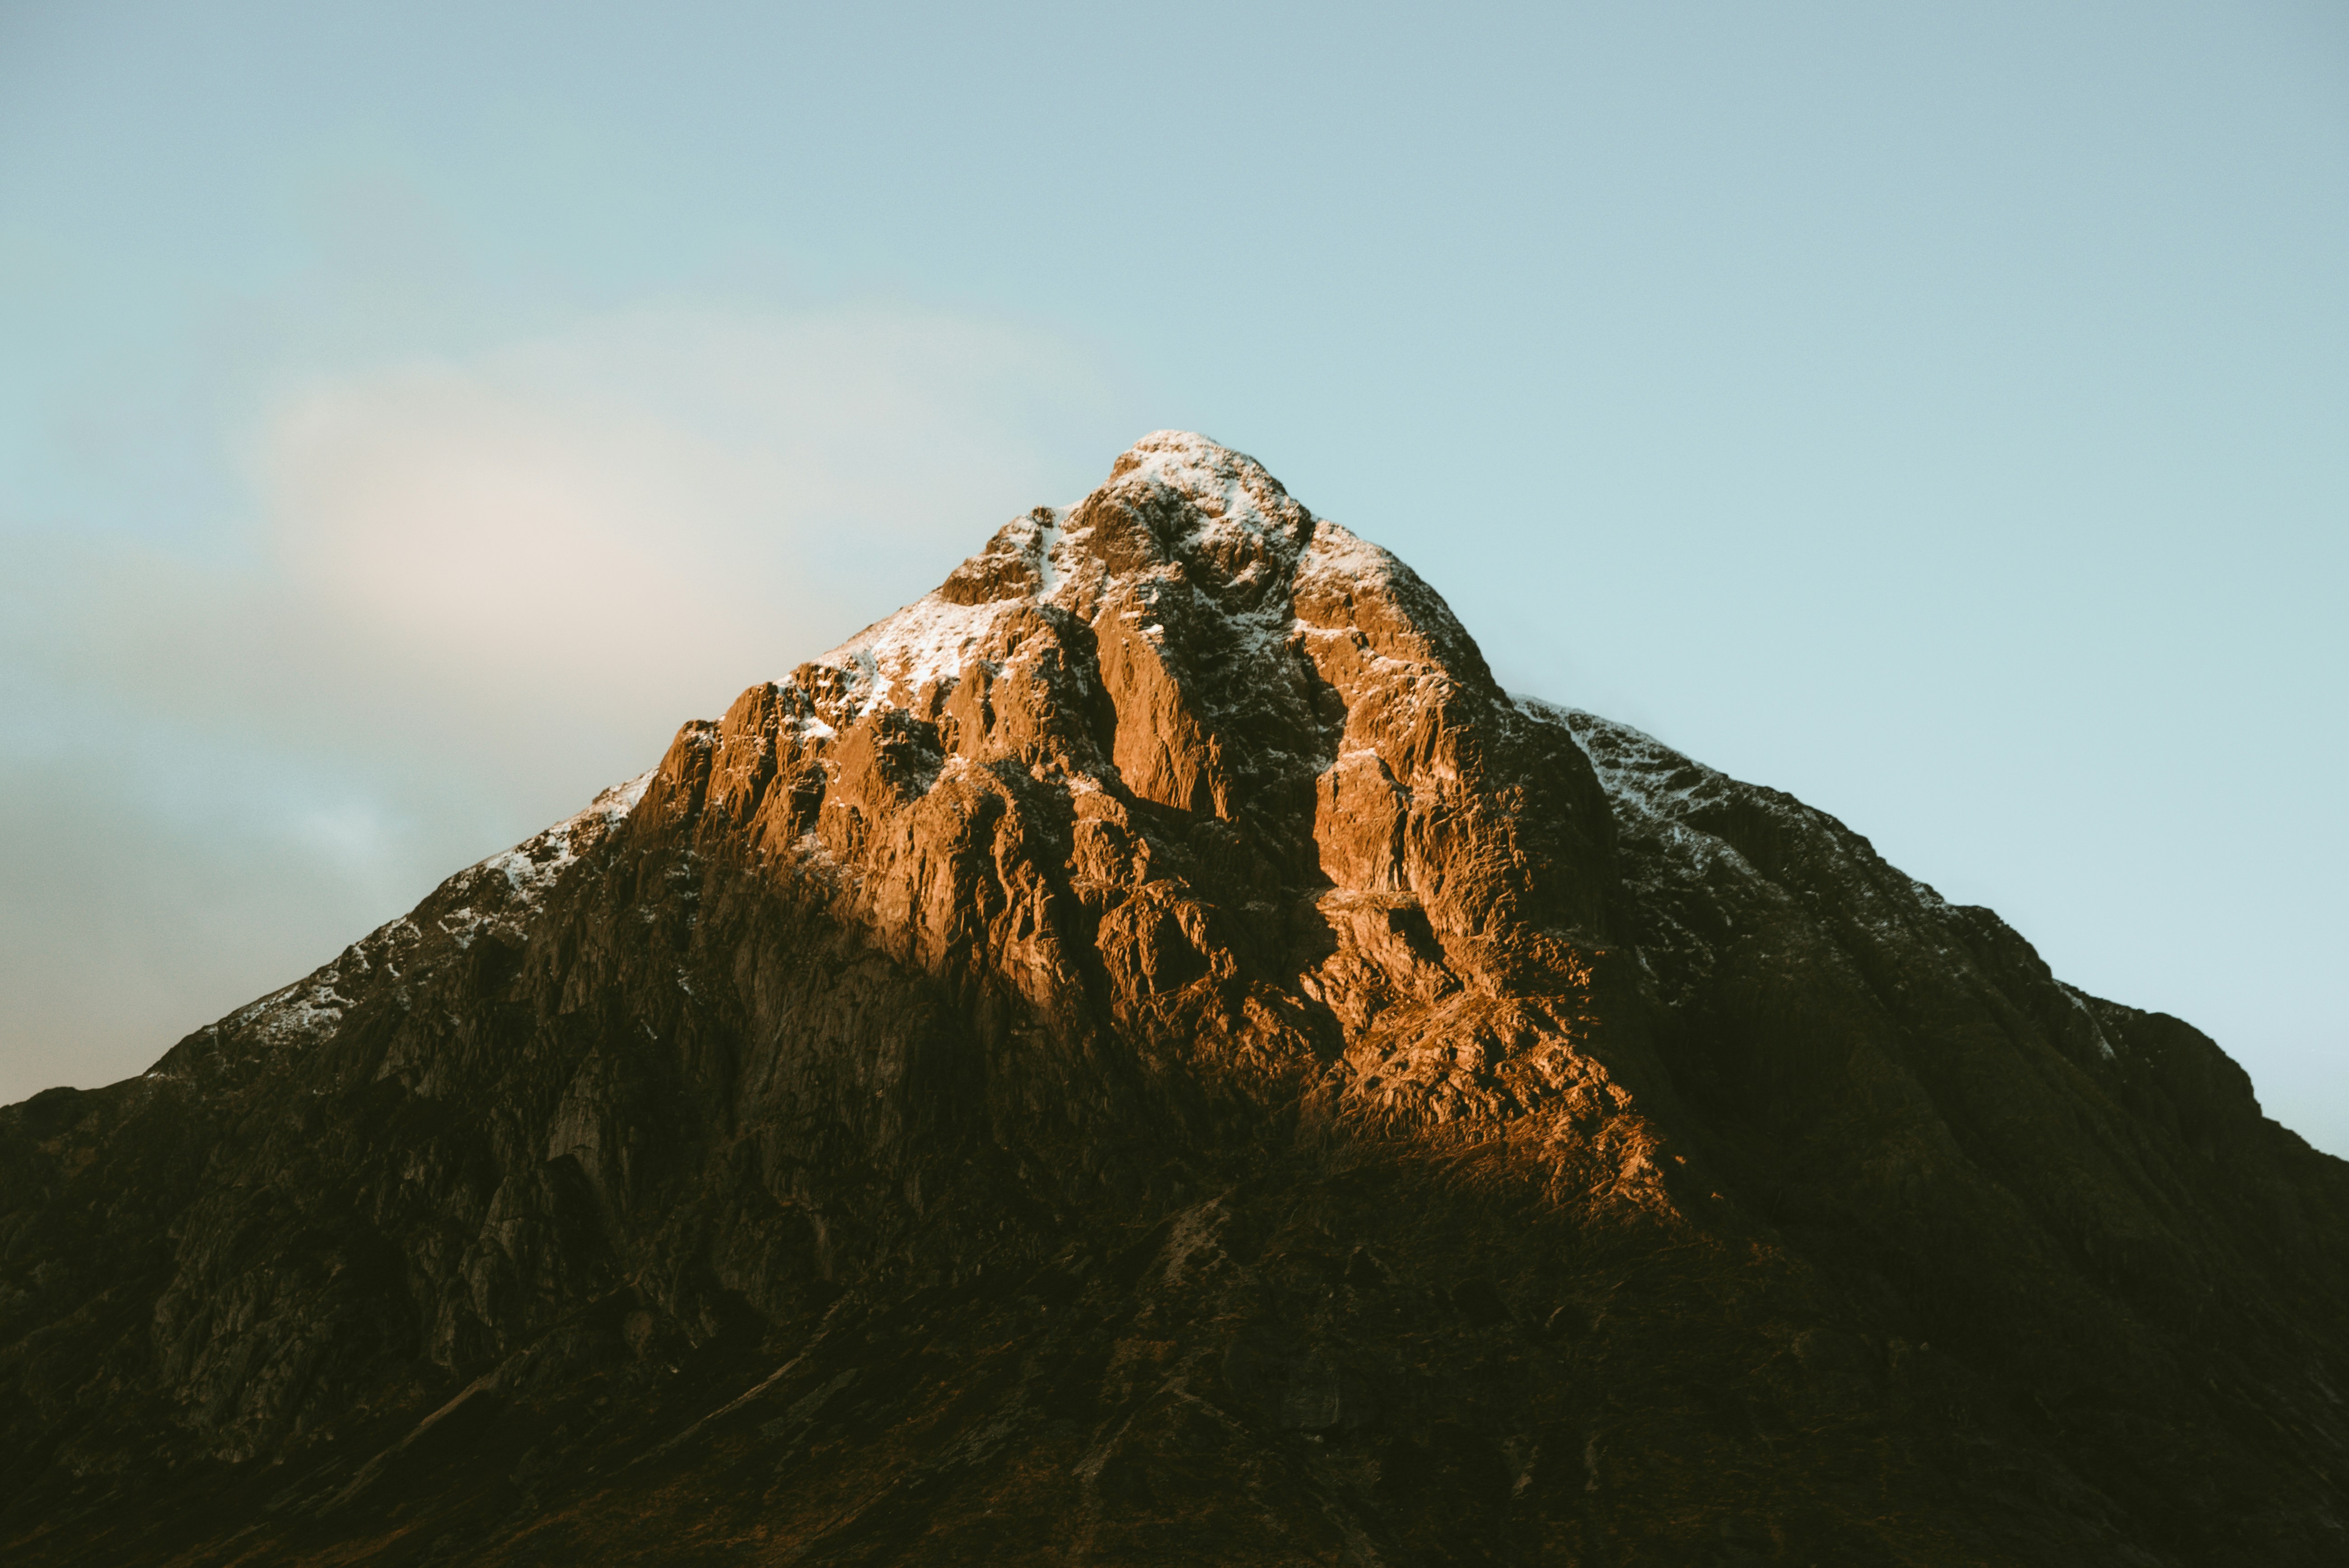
[
  {"x": 514, "y": 882},
  {"x": 1235, "y": 507},
  {"x": 535, "y": 864},
  {"x": 929, "y": 642},
  {"x": 1228, "y": 491}
]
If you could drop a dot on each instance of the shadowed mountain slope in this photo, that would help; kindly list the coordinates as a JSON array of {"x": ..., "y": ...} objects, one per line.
[{"x": 1149, "y": 1056}]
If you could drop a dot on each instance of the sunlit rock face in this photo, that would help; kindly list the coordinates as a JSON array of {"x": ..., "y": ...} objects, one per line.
[{"x": 1148, "y": 1055}]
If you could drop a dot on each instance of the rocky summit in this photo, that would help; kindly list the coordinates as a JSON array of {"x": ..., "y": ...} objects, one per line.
[{"x": 1150, "y": 1055}]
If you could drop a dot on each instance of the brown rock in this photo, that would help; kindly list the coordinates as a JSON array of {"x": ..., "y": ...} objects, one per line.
[{"x": 1148, "y": 1055}]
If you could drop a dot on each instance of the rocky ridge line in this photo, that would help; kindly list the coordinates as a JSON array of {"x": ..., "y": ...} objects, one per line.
[{"x": 1148, "y": 1054}]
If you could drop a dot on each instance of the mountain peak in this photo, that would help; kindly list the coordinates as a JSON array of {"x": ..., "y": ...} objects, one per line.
[
  {"x": 1147, "y": 1054},
  {"x": 1225, "y": 486},
  {"x": 1191, "y": 559}
]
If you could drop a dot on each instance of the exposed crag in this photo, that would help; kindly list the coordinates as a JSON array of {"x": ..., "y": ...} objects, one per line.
[{"x": 1149, "y": 1056}]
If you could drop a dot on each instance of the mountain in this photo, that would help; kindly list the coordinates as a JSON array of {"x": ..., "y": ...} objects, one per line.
[{"x": 1150, "y": 1055}]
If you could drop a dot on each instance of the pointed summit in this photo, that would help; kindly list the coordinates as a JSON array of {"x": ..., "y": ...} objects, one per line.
[
  {"x": 1147, "y": 1054},
  {"x": 1189, "y": 636},
  {"x": 1179, "y": 517}
]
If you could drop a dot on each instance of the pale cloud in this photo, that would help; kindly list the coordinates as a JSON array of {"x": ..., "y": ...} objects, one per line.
[
  {"x": 470, "y": 591},
  {"x": 663, "y": 496}
]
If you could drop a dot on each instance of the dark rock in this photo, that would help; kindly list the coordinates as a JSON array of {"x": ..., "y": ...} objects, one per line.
[{"x": 1150, "y": 1055}]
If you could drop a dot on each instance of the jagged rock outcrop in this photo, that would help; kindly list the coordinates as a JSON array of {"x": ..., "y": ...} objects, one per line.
[{"x": 1150, "y": 1055}]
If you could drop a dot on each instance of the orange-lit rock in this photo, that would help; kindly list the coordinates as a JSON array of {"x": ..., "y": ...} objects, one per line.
[{"x": 1150, "y": 1055}]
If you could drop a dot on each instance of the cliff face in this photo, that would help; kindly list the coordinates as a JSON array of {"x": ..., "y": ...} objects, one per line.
[{"x": 1148, "y": 1055}]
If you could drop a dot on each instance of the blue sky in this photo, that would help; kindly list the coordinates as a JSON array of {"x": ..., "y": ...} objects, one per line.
[{"x": 408, "y": 415}]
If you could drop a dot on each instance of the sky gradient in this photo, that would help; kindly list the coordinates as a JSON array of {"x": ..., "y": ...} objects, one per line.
[{"x": 409, "y": 415}]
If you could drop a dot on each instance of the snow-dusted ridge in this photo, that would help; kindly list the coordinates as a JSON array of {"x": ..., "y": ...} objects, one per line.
[
  {"x": 531, "y": 868},
  {"x": 534, "y": 865},
  {"x": 929, "y": 641},
  {"x": 504, "y": 889},
  {"x": 1241, "y": 522}
]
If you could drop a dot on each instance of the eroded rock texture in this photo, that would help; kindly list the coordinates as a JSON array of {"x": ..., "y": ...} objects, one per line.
[{"x": 1149, "y": 1056}]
